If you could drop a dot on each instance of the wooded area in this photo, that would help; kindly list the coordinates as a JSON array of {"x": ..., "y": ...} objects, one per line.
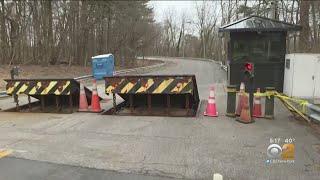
[
  {"x": 203, "y": 40},
  {"x": 46, "y": 32},
  {"x": 71, "y": 32}
]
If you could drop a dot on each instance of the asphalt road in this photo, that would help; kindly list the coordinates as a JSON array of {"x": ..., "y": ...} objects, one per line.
[
  {"x": 192, "y": 148},
  {"x": 18, "y": 169}
]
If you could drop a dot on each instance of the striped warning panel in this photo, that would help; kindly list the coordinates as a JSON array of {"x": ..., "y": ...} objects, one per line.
[
  {"x": 43, "y": 87},
  {"x": 149, "y": 85}
]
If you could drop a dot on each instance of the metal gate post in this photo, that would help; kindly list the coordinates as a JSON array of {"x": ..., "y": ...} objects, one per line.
[
  {"x": 149, "y": 102},
  {"x": 231, "y": 100},
  {"x": 114, "y": 103},
  {"x": 269, "y": 106},
  {"x": 187, "y": 103},
  {"x": 131, "y": 102},
  {"x": 29, "y": 102},
  {"x": 168, "y": 104},
  {"x": 17, "y": 102},
  {"x": 58, "y": 103},
  {"x": 42, "y": 102},
  {"x": 70, "y": 103}
]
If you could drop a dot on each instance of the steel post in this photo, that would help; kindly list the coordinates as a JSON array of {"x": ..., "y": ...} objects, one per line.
[
  {"x": 168, "y": 104},
  {"x": 70, "y": 103},
  {"x": 42, "y": 103},
  {"x": 114, "y": 103},
  {"x": 251, "y": 94},
  {"x": 231, "y": 100},
  {"x": 269, "y": 106},
  {"x": 29, "y": 102},
  {"x": 131, "y": 102},
  {"x": 17, "y": 103},
  {"x": 58, "y": 104}
]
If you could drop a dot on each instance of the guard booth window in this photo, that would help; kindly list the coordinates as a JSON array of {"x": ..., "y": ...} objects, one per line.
[{"x": 265, "y": 47}]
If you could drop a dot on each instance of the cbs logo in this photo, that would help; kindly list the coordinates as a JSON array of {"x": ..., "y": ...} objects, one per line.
[
  {"x": 285, "y": 152},
  {"x": 274, "y": 151}
]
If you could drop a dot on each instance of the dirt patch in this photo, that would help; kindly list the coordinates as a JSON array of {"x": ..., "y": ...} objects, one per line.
[{"x": 62, "y": 71}]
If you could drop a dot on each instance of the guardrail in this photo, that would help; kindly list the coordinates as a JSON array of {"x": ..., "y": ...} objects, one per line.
[
  {"x": 3, "y": 94},
  {"x": 224, "y": 67},
  {"x": 313, "y": 111},
  {"x": 186, "y": 58},
  {"x": 83, "y": 77},
  {"x": 305, "y": 109},
  {"x": 124, "y": 71}
]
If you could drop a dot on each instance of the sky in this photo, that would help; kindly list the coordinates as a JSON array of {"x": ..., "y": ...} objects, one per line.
[{"x": 178, "y": 7}]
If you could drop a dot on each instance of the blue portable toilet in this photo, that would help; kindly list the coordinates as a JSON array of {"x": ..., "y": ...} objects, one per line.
[{"x": 102, "y": 66}]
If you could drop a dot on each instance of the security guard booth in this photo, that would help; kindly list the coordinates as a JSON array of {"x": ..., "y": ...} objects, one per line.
[{"x": 261, "y": 41}]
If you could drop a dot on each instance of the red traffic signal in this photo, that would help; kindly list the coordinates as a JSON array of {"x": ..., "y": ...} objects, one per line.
[
  {"x": 249, "y": 69},
  {"x": 248, "y": 66}
]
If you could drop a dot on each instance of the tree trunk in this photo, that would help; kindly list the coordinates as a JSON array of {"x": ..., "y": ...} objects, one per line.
[
  {"x": 3, "y": 34},
  {"x": 304, "y": 22},
  {"x": 315, "y": 26},
  {"x": 50, "y": 51}
]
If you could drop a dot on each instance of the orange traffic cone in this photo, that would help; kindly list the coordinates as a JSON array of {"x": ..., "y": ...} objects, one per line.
[
  {"x": 211, "y": 109},
  {"x": 240, "y": 99},
  {"x": 83, "y": 103},
  {"x": 245, "y": 116},
  {"x": 257, "y": 106},
  {"x": 95, "y": 100}
]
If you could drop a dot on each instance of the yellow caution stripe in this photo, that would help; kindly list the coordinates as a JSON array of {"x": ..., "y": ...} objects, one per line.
[
  {"x": 162, "y": 86},
  {"x": 38, "y": 87},
  {"x": 156, "y": 85}
]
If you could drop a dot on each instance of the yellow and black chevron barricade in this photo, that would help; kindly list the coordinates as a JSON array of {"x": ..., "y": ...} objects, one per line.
[
  {"x": 49, "y": 92},
  {"x": 38, "y": 87},
  {"x": 168, "y": 95}
]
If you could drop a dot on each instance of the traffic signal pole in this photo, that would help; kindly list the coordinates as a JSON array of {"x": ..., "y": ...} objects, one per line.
[
  {"x": 251, "y": 94},
  {"x": 249, "y": 76},
  {"x": 245, "y": 102}
]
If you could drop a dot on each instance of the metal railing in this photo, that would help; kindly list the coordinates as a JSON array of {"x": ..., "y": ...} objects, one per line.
[
  {"x": 3, "y": 94},
  {"x": 313, "y": 111}
]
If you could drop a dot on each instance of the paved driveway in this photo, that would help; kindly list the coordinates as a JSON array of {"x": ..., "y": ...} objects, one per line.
[{"x": 192, "y": 148}]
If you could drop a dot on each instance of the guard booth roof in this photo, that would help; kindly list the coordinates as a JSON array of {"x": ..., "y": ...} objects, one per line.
[{"x": 257, "y": 23}]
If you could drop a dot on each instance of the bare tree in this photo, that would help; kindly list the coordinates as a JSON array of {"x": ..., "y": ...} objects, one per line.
[
  {"x": 206, "y": 23},
  {"x": 304, "y": 21}
]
